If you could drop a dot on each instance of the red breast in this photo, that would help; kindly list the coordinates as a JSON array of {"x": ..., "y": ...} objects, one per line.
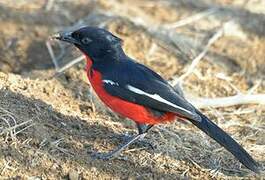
[{"x": 137, "y": 113}]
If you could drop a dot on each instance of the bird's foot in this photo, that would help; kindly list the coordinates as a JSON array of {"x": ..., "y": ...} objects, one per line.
[
  {"x": 128, "y": 140},
  {"x": 141, "y": 142}
]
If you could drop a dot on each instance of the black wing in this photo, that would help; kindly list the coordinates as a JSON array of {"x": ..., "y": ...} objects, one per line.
[{"x": 138, "y": 84}]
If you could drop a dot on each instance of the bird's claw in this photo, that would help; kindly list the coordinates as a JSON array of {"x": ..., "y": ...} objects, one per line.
[{"x": 141, "y": 142}]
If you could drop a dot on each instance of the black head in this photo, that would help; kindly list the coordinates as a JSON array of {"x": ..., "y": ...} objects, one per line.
[{"x": 95, "y": 42}]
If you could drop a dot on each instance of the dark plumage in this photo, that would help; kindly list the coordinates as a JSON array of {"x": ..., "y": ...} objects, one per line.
[{"x": 135, "y": 91}]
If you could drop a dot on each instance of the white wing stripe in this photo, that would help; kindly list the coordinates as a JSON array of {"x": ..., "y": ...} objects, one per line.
[
  {"x": 156, "y": 97},
  {"x": 110, "y": 82}
]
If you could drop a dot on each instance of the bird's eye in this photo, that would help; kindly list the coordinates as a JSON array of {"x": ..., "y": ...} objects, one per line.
[{"x": 86, "y": 40}]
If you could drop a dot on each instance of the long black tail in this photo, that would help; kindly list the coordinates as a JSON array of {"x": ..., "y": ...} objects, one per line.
[{"x": 212, "y": 130}]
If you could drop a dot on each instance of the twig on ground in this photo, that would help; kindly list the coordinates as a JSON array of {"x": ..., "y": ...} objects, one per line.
[
  {"x": 60, "y": 70},
  {"x": 228, "y": 80},
  {"x": 50, "y": 50},
  {"x": 67, "y": 66},
  {"x": 191, "y": 19},
  {"x": 6, "y": 111},
  {"x": 196, "y": 61},
  {"x": 239, "y": 112},
  {"x": 228, "y": 101},
  {"x": 251, "y": 90},
  {"x": 195, "y": 163},
  {"x": 26, "y": 127},
  {"x": 70, "y": 64},
  {"x": 6, "y": 166},
  {"x": 10, "y": 120},
  {"x": 12, "y": 129},
  {"x": 215, "y": 171},
  {"x": 55, "y": 144}
]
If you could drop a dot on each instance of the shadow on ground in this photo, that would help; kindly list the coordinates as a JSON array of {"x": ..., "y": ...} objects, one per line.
[
  {"x": 79, "y": 137},
  {"x": 68, "y": 141}
]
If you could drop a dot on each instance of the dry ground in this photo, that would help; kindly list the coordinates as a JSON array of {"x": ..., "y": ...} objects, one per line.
[{"x": 49, "y": 127}]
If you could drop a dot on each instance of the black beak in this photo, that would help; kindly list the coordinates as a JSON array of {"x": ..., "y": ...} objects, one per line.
[{"x": 65, "y": 36}]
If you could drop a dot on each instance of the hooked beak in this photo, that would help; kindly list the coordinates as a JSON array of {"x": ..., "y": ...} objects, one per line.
[{"x": 65, "y": 36}]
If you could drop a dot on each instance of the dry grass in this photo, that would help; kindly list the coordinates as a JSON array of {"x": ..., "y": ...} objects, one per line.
[{"x": 49, "y": 127}]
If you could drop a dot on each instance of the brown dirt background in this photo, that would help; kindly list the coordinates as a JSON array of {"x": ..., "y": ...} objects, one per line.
[{"x": 67, "y": 123}]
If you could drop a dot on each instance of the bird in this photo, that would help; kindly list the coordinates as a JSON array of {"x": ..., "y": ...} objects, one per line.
[{"x": 134, "y": 91}]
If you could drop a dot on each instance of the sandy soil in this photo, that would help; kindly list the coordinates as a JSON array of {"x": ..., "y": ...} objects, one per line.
[{"x": 50, "y": 126}]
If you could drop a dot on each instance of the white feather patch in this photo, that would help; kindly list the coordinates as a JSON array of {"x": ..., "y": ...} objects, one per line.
[
  {"x": 107, "y": 81},
  {"x": 156, "y": 97}
]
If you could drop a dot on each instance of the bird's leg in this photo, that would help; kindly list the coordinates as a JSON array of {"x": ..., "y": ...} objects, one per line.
[
  {"x": 142, "y": 128},
  {"x": 142, "y": 131}
]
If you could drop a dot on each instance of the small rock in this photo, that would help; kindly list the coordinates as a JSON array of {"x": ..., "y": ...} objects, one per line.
[{"x": 73, "y": 175}]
